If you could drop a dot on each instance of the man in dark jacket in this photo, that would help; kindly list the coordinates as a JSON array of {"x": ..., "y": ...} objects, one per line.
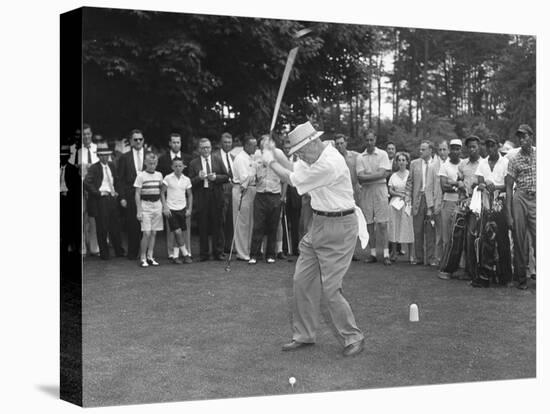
[
  {"x": 128, "y": 166},
  {"x": 207, "y": 177},
  {"x": 101, "y": 183}
]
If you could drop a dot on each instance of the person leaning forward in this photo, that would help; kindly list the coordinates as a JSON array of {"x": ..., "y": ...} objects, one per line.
[{"x": 327, "y": 248}]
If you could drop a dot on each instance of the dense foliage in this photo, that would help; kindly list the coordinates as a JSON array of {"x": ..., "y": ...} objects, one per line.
[{"x": 200, "y": 75}]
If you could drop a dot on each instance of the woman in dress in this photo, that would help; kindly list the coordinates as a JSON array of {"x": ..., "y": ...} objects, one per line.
[{"x": 400, "y": 229}]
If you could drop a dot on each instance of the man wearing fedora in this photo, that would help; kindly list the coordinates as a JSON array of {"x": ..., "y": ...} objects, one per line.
[
  {"x": 101, "y": 183},
  {"x": 327, "y": 248},
  {"x": 521, "y": 208}
]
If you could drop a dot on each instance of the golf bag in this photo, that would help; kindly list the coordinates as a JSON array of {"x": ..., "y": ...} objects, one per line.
[
  {"x": 493, "y": 247},
  {"x": 453, "y": 253}
]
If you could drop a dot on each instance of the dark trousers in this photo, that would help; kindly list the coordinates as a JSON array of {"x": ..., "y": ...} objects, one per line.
[
  {"x": 471, "y": 233},
  {"x": 293, "y": 224},
  {"x": 267, "y": 209},
  {"x": 108, "y": 224},
  {"x": 524, "y": 211},
  {"x": 133, "y": 228},
  {"x": 209, "y": 202},
  {"x": 423, "y": 233},
  {"x": 504, "y": 267},
  {"x": 226, "y": 219}
]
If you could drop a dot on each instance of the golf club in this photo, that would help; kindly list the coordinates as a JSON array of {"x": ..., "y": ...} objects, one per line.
[
  {"x": 286, "y": 74},
  {"x": 285, "y": 223},
  {"x": 228, "y": 264}
]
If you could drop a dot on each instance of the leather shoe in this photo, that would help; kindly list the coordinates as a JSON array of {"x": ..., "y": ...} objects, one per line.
[
  {"x": 294, "y": 345},
  {"x": 371, "y": 259},
  {"x": 220, "y": 257},
  {"x": 354, "y": 348}
]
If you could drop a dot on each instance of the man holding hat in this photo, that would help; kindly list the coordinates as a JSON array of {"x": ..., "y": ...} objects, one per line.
[
  {"x": 327, "y": 248},
  {"x": 451, "y": 184},
  {"x": 521, "y": 208},
  {"x": 101, "y": 182}
]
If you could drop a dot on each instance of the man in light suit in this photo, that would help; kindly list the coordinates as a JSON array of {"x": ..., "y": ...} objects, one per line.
[
  {"x": 416, "y": 195},
  {"x": 129, "y": 165},
  {"x": 434, "y": 198}
]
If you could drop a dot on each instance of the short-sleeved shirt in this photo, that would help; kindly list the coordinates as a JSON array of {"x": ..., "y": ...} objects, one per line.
[
  {"x": 371, "y": 163},
  {"x": 176, "y": 191},
  {"x": 267, "y": 181},
  {"x": 244, "y": 166},
  {"x": 150, "y": 185},
  {"x": 468, "y": 169},
  {"x": 523, "y": 169},
  {"x": 449, "y": 170},
  {"x": 499, "y": 170},
  {"x": 327, "y": 181}
]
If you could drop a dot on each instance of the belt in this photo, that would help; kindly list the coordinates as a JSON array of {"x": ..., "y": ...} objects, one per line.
[{"x": 334, "y": 213}]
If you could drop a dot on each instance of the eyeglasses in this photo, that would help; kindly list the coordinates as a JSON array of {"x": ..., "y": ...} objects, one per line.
[
  {"x": 137, "y": 139},
  {"x": 203, "y": 148}
]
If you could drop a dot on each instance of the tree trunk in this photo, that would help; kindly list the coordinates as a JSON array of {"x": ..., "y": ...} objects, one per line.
[
  {"x": 396, "y": 76},
  {"x": 370, "y": 90},
  {"x": 379, "y": 94}
]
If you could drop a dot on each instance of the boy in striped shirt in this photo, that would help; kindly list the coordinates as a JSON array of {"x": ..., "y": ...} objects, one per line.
[{"x": 148, "y": 195}]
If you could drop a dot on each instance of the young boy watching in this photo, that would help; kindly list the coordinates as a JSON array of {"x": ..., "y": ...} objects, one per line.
[
  {"x": 148, "y": 195},
  {"x": 176, "y": 190}
]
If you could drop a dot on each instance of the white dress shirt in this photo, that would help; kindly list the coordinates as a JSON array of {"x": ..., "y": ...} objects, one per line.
[
  {"x": 203, "y": 163},
  {"x": 138, "y": 159}
]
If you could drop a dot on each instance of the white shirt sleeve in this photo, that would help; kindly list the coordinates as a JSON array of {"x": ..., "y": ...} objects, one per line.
[{"x": 307, "y": 178}]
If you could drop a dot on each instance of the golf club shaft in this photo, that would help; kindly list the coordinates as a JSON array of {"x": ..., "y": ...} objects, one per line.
[
  {"x": 284, "y": 80},
  {"x": 285, "y": 222}
]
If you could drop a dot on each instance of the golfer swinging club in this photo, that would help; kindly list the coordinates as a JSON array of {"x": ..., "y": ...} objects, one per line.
[{"x": 326, "y": 250}]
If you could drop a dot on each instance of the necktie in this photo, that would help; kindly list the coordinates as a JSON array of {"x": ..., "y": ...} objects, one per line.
[
  {"x": 107, "y": 174},
  {"x": 89, "y": 155},
  {"x": 229, "y": 165},
  {"x": 425, "y": 170},
  {"x": 208, "y": 171},
  {"x": 140, "y": 163}
]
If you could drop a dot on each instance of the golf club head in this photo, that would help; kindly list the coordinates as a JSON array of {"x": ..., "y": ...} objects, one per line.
[
  {"x": 228, "y": 268},
  {"x": 302, "y": 33}
]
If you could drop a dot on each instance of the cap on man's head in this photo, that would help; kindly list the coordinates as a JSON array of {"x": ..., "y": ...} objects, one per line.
[
  {"x": 491, "y": 140},
  {"x": 455, "y": 141},
  {"x": 524, "y": 129},
  {"x": 103, "y": 149},
  {"x": 472, "y": 138},
  {"x": 302, "y": 135}
]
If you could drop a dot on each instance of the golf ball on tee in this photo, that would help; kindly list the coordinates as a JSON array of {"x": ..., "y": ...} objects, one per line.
[{"x": 292, "y": 380}]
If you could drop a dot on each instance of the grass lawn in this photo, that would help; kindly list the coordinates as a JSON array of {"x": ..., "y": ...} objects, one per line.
[{"x": 188, "y": 332}]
